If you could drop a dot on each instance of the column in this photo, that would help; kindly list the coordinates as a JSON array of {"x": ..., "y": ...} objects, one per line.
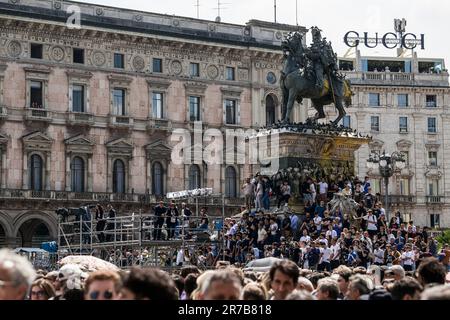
[
  {"x": 25, "y": 171},
  {"x": 89, "y": 174},
  {"x": 4, "y": 168},
  {"x": 148, "y": 175},
  {"x": 128, "y": 177},
  {"x": 109, "y": 175},
  {"x": 68, "y": 186},
  {"x": 47, "y": 170}
]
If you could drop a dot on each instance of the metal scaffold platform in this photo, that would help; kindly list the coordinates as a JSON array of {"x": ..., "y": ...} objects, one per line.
[{"x": 141, "y": 238}]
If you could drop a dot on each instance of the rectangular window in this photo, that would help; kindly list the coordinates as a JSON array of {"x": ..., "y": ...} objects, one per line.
[
  {"x": 194, "y": 108},
  {"x": 78, "y": 55},
  {"x": 119, "y": 61},
  {"x": 374, "y": 99},
  {"x": 231, "y": 111},
  {"x": 119, "y": 102},
  {"x": 78, "y": 98},
  {"x": 375, "y": 123},
  {"x": 230, "y": 73},
  {"x": 433, "y": 187},
  {"x": 157, "y": 105},
  {"x": 431, "y": 101},
  {"x": 432, "y": 125},
  {"x": 36, "y": 51},
  {"x": 432, "y": 158},
  {"x": 194, "y": 69},
  {"x": 376, "y": 186},
  {"x": 402, "y": 100},
  {"x": 404, "y": 187},
  {"x": 36, "y": 94},
  {"x": 403, "y": 124},
  {"x": 346, "y": 121},
  {"x": 157, "y": 65},
  {"x": 435, "y": 220}
]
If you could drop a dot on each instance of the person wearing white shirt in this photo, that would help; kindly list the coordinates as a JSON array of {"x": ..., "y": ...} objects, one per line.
[
  {"x": 325, "y": 255},
  {"x": 318, "y": 222},
  {"x": 408, "y": 258},
  {"x": 262, "y": 235},
  {"x": 312, "y": 188},
  {"x": 331, "y": 232},
  {"x": 372, "y": 225},
  {"x": 336, "y": 253},
  {"x": 180, "y": 257},
  {"x": 323, "y": 190},
  {"x": 378, "y": 255},
  {"x": 305, "y": 238}
]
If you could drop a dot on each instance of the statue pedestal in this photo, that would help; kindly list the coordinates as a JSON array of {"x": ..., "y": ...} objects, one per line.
[{"x": 317, "y": 152}]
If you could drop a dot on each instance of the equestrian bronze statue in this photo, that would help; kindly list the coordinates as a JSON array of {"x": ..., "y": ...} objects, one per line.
[{"x": 312, "y": 73}]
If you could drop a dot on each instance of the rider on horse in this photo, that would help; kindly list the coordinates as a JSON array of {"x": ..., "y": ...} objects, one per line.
[{"x": 324, "y": 61}]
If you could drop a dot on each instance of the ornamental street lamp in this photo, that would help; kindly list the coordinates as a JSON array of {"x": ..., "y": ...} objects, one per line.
[{"x": 386, "y": 164}]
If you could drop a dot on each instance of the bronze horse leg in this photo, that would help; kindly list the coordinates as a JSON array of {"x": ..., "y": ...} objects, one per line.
[
  {"x": 340, "y": 107},
  {"x": 290, "y": 104}
]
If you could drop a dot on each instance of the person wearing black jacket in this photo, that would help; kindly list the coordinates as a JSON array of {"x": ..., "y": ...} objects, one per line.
[
  {"x": 111, "y": 225},
  {"x": 171, "y": 220},
  {"x": 101, "y": 222},
  {"x": 160, "y": 212}
]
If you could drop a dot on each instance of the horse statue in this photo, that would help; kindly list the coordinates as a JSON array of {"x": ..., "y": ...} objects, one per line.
[{"x": 312, "y": 73}]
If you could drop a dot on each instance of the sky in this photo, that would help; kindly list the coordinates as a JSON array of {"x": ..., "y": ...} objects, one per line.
[{"x": 335, "y": 18}]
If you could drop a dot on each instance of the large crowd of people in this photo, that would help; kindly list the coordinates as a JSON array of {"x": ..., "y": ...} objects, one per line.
[
  {"x": 283, "y": 281},
  {"x": 323, "y": 254}
]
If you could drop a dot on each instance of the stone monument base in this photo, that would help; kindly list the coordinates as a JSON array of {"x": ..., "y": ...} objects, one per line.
[{"x": 310, "y": 151}]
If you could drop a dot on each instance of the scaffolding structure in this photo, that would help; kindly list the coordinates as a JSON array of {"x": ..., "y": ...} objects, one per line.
[{"x": 131, "y": 239}]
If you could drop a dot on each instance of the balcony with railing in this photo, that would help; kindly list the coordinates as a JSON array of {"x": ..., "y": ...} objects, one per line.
[
  {"x": 402, "y": 199},
  {"x": 118, "y": 121},
  {"x": 81, "y": 118},
  {"x": 434, "y": 199},
  {"x": 49, "y": 195},
  {"x": 38, "y": 114},
  {"x": 396, "y": 78},
  {"x": 154, "y": 124}
]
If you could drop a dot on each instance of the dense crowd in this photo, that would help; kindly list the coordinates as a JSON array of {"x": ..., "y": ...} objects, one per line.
[
  {"x": 283, "y": 281},
  {"x": 323, "y": 254}
]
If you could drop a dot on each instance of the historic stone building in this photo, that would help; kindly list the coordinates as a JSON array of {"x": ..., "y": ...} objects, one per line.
[
  {"x": 404, "y": 104},
  {"x": 86, "y": 114}
]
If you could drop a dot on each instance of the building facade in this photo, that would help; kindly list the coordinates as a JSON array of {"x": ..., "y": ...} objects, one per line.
[
  {"x": 404, "y": 104},
  {"x": 87, "y": 113}
]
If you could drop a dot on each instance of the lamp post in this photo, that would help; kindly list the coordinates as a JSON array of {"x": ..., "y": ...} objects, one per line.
[{"x": 386, "y": 164}]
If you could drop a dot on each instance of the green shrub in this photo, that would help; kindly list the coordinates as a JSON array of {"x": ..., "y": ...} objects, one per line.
[{"x": 443, "y": 238}]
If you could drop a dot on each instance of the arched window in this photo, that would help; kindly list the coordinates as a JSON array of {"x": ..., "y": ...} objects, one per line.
[
  {"x": 194, "y": 177},
  {"x": 118, "y": 176},
  {"x": 157, "y": 179},
  {"x": 270, "y": 110},
  {"x": 36, "y": 167},
  {"x": 77, "y": 169},
  {"x": 230, "y": 182}
]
